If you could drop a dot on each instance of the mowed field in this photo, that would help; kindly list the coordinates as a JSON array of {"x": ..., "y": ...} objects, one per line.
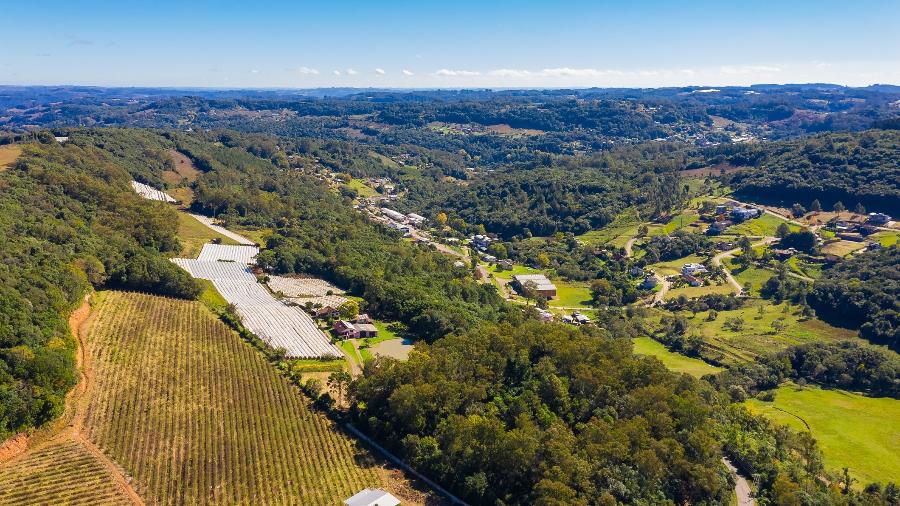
[
  {"x": 194, "y": 415},
  {"x": 854, "y": 431},
  {"x": 673, "y": 361},
  {"x": 63, "y": 472},
  {"x": 8, "y": 155}
]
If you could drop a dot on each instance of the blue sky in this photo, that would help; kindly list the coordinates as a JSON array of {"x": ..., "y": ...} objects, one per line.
[{"x": 560, "y": 43}]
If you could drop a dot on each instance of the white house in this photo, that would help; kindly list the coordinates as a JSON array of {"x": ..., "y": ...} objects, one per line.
[
  {"x": 416, "y": 219},
  {"x": 372, "y": 497},
  {"x": 690, "y": 269}
]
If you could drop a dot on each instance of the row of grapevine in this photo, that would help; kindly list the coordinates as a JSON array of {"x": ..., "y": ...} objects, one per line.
[
  {"x": 151, "y": 193},
  {"x": 63, "y": 472},
  {"x": 196, "y": 416}
]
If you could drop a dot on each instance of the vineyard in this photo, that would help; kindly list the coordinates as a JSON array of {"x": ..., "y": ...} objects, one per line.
[
  {"x": 63, "y": 472},
  {"x": 197, "y": 416},
  {"x": 228, "y": 253}
]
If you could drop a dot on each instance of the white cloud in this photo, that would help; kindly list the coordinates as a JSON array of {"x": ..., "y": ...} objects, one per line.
[
  {"x": 407, "y": 72},
  {"x": 733, "y": 70},
  {"x": 457, "y": 73},
  {"x": 336, "y": 72},
  {"x": 254, "y": 71},
  {"x": 351, "y": 72},
  {"x": 380, "y": 72},
  {"x": 308, "y": 71}
]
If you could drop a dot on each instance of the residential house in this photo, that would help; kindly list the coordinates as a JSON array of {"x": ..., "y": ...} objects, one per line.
[
  {"x": 541, "y": 285},
  {"x": 362, "y": 318},
  {"x": 690, "y": 269},
  {"x": 649, "y": 283},
  {"x": 481, "y": 242},
  {"x": 327, "y": 312},
  {"x": 692, "y": 280},
  {"x": 544, "y": 315},
  {"x": 739, "y": 214},
  {"x": 364, "y": 330},
  {"x": 879, "y": 219},
  {"x": 580, "y": 318},
  {"x": 636, "y": 271},
  {"x": 506, "y": 265},
  {"x": 415, "y": 219},
  {"x": 345, "y": 330},
  {"x": 718, "y": 227}
]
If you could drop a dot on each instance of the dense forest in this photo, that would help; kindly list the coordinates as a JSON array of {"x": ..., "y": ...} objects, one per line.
[
  {"x": 864, "y": 293},
  {"x": 68, "y": 220},
  {"x": 838, "y": 167}
]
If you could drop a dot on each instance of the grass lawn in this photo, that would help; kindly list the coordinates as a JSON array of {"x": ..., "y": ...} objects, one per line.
[
  {"x": 802, "y": 268},
  {"x": 193, "y": 235},
  {"x": 8, "y": 155},
  {"x": 673, "y": 361},
  {"x": 842, "y": 248},
  {"x": 757, "y": 335},
  {"x": 671, "y": 267},
  {"x": 885, "y": 238},
  {"x": 259, "y": 236},
  {"x": 765, "y": 225},
  {"x": 347, "y": 347},
  {"x": 516, "y": 270},
  {"x": 571, "y": 294},
  {"x": 852, "y": 430}
]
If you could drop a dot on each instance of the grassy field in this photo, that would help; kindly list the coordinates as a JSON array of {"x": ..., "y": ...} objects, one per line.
[
  {"x": 362, "y": 189},
  {"x": 683, "y": 220},
  {"x": 193, "y": 235},
  {"x": 885, "y": 238},
  {"x": 754, "y": 275},
  {"x": 852, "y": 430},
  {"x": 623, "y": 227},
  {"x": 571, "y": 294},
  {"x": 698, "y": 291},
  {"x": 196, "y": 415},
  {"x": 8, "y": 155},
  {"x": 63, "y": 472},
  {"x": 842, "y": 248},
  {"x": 765, "y": 225},
  {"x": 802, "y": 268},
  {"x": 674, "y": 361},
  {"x": 757, "y": 334},
  {"x": 516, "y": 270}
]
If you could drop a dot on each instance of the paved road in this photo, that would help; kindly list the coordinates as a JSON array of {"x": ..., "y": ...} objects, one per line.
[{"x": 741, "y": 486}]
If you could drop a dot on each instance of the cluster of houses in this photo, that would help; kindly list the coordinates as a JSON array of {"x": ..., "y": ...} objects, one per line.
[
  {"x": 360, "y": 327},
  {"x": 856, "y": 231},
  {"x": 538, "y": 283},
  {"x": 726, "y": 215}
]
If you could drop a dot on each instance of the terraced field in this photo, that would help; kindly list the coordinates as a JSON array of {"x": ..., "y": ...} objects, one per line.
[
  {"x": 196, "y": 416},
  {"x": 64, "y": 472}
]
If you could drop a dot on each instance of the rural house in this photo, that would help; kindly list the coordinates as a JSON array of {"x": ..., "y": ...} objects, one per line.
[
  {"x": 539, "y": 283},
  {"x": 690, "y": 269}
]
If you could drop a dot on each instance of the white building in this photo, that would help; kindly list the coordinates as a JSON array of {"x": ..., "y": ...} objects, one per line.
[
  {"x": 372, "y": 497},
  {"x": 690, "y": 269},
  {"x": 416, "y": 219},
  {"x": 394, "y": 215}
]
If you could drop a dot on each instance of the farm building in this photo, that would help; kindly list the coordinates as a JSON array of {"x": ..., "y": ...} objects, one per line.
[
  {"x": 372, "y": 497},
  {"x": 394, "y": 215},
  {"x": 415, "y": 219},
  {"x": 349, "y": 330},
  {"x": 718, "y": 227},
  {"x": 327, "y": 312},
  {"x": 879, "y": 219},
  {"x": 580, "y": 318},
  {"x": 649, "y": 283},
  {"x": 541, "y": 285}
]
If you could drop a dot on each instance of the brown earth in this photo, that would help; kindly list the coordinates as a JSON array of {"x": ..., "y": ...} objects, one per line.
[{"x": 184, "y": 167}]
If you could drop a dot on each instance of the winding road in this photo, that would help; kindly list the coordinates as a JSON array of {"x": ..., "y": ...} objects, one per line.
[{"x": 717, "y": 261}]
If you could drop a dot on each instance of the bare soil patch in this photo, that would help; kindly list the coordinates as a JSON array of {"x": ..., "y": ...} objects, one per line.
[
  {"x": 8, "y": 155},
  {"x": 184, "y": 168}
]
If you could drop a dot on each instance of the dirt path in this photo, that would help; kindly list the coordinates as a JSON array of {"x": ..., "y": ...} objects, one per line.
[
  {"x": 661, "y": 294},
  {"x": 629, "y": 245},
  {"x": 71, "y": 423},
  {"x": 741, "y": 486},
  {"x": 717, "y": 261}
]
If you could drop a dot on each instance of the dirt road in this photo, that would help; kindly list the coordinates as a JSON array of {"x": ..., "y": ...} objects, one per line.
[
  {"x": 717, "y": 261},
  {"x": 70, "y": 425},
  {"x": 741, "y": 486},
  {"x": 629, "y": 245},
  {"x": 661, "y": 294}
]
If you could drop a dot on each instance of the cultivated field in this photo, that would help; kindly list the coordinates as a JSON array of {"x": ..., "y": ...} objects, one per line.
[
  {"x": 151, "y": 193},
  {"x": 279, "y": 325},
  {"x": 852, "y": 430},
  {"x": 184, "y": 168},
  {"x": 63, "y": 472},
  {"x": 8, "y": 155},
  {"x": 197, "y": 416},
  {"x": 228, "y": 253}
]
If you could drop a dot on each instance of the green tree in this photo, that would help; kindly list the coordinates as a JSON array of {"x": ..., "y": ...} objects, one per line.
[
  {"x": 839, "y": 207},
  {"x": 816, "y": 206},
  {"x": 339, "y": 380},
  {"x": 783, "y": 230},
  {"x": 349, "y": 309}
]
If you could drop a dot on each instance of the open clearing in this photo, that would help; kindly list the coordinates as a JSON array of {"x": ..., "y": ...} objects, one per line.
[
  {"x": 842, "y": 248},
  {"x": 764, "y": 226},
  {"x": 193, "y": 235},
  {"x": 184, "y": 167},
  {"x": 196, "y": 416},
  {"x": 852, "y": 430},
  {"x": 673, "y": 361},
  {"x": 8, "y": 155}
]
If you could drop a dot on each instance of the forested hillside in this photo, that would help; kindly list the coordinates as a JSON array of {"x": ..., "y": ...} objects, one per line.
[
  {"x": 864, "y": 293},
  {"x": 838, "y": 167},
  {"x": 68, "y": 220}
]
